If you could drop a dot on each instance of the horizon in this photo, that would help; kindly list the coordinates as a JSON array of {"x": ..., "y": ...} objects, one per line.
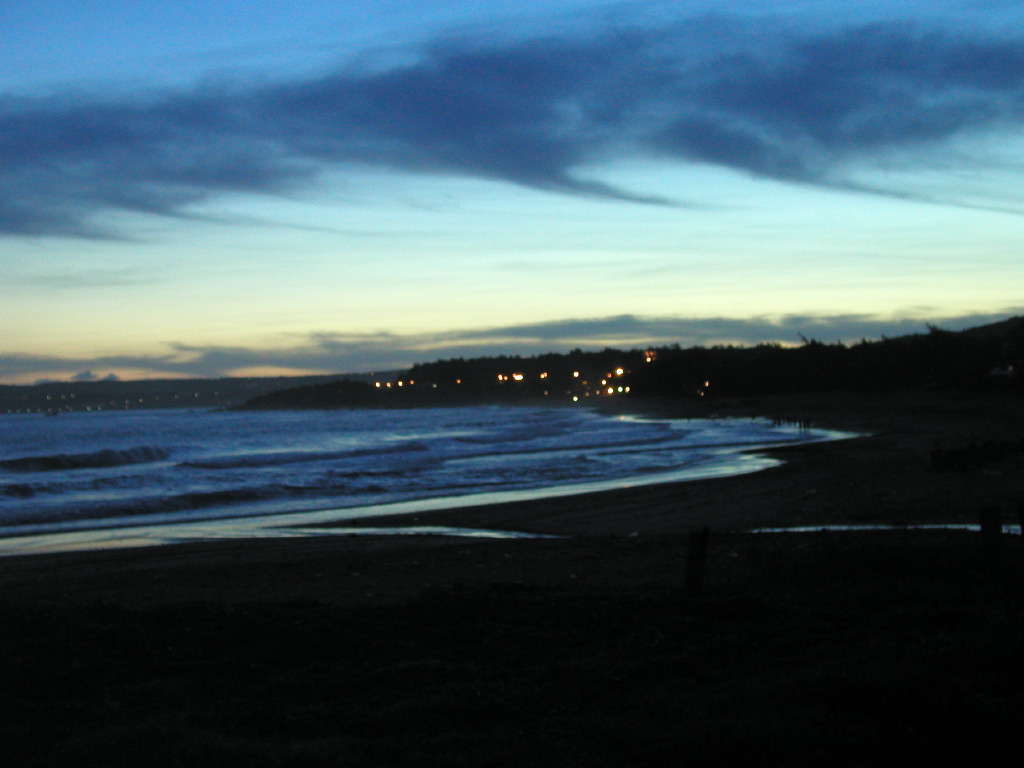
[
  {"x": 89, "y": 378},
  {"x": 893, "y": 329},
  {"x": 191, "y": 191}
]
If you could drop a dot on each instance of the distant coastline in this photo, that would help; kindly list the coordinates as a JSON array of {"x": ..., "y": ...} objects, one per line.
[{"x": 982, "y": 359}]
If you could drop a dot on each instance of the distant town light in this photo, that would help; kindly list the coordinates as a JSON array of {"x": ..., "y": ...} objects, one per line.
[
  {"x": 619, "y": 371},
  {"x": 518, "y": 376},
  {"x": 575, "y": 374}
]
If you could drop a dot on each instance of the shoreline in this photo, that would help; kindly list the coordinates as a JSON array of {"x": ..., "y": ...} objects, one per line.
[
  {"x": 587, "y": 648},
  {"x": 723, "y": 461},
  {"x": 880, "y": 477}
]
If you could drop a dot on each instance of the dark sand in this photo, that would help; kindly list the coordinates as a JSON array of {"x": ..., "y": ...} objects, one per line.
[{"x": 801, "y": 649}]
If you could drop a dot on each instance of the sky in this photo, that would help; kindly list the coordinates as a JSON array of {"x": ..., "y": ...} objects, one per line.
[{"x": 211, "y": 188}]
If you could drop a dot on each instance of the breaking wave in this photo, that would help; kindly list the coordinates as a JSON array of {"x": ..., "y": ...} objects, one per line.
[
  {"x": 281, "y": 458},
  {"x": 204, "y": 465},
  {"x": 107, "y": 457}
]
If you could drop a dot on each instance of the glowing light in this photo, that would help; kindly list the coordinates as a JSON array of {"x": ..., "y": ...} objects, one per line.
[
  {"x": 611, "y": 390},
  {"x": 619, "y": 371},
  {"x": 575, "y": 399},
  {"x": 518, "y": 376},
  {"x": 575, "y": 374},
  {"x": 377, "y": 384},
  {"x": 458, "y": 381},
  {"x": 543, "y": 375}
]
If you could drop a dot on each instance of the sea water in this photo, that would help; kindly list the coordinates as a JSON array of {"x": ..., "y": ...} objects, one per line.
[{"x": 94, "y": 470}]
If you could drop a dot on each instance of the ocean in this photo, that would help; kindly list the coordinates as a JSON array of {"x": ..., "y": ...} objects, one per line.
[{"x": 72, "y": 476}]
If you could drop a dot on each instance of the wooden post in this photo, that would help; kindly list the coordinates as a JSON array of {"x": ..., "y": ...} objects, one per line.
[
  {"x": 991, "y": 522},
  {"x": 991, "y": 528},
  {"x": 696, "y": 560}
]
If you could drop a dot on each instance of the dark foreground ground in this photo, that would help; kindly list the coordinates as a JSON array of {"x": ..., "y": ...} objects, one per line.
[{"x": 880, "y": 648}]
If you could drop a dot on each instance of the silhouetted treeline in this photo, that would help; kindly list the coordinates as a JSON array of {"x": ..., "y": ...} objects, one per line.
[
  {"x": 936, "y": 359},
  {"x": 980, "y": 358},
  {"x": 551, "y": 372}
]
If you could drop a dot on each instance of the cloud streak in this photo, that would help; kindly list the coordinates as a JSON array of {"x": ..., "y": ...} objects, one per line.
[
  {"x": 352, "y": 353},
  {"x": 764, "y": 99}
]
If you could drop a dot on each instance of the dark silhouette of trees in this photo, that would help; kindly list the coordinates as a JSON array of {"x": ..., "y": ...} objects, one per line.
[{"x": 988, "y": 357}]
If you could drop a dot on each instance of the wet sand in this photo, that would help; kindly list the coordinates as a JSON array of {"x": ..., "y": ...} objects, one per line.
[
  {"x": 134, "y": 633},
  {"x": 883, "y": 477}
]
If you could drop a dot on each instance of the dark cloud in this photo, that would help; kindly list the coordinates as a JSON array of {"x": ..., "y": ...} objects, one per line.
[
  {"x": 339, "y": 352},
  {"x": 767, "y": 100},
  {"x": 821, "y": 101},
  {"x": 633, "y": 330},
  {"x": 70, "y": 279}
]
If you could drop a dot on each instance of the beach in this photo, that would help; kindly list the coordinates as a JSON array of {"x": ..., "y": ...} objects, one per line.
[{"x": 585, "y": 648}]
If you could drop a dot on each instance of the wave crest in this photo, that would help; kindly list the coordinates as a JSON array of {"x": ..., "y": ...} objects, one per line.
[
  {"x": 108, "y": 457},
  {"x": 257, "y": 460}
]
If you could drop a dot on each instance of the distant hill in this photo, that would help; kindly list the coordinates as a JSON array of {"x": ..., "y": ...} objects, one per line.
[
  {"x": 1009, "y": 330},
  {"x": 987, "y": 357},
  {"x": 56, "y": 397}
]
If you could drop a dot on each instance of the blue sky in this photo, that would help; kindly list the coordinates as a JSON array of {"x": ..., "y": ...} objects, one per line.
[{"x": 209, "y": 189}]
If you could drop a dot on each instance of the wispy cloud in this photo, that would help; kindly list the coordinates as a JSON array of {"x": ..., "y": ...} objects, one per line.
[
  {"x": 328, "y": 352},
  {"x": 72, "y": 279},
  {"x": 745, "y": 94},
  {"x": 633, "y": 330}
]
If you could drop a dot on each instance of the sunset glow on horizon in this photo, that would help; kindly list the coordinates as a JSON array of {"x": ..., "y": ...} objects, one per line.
[{"x": 190, "y": 190}]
